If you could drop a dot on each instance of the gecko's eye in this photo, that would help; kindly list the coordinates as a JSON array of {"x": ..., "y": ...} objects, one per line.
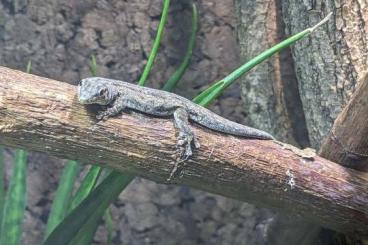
[{"x": 103, "y": 92}]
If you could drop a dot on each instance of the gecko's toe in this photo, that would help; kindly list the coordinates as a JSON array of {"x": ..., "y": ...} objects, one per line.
[
  {"x": 196, "y": 142},
  {"x": 184, "y": 146},
  {"x": 101, "y": 115}
]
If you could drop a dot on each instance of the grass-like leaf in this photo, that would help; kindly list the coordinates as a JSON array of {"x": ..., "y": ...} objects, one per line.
[
  {"x": 156, "y": 43},
  {"x": 109, "y": 226},
  {"x": 93, "y": 65},
  {"x": 29, "y": 66},
  {"x": 175, "y": 78},
  {"x": 211, "y": 93},
  {"x": 90, "y": 211},
  {"x": 61, "y": 202},
  {"x": 2, "y": 186},
  {"x": 15, "y": 202},
  {"x": 86, "y": 186}
]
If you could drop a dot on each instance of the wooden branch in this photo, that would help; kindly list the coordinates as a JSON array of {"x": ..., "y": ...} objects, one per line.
[
  {"x": 44, "y": 115},
  {"x": 347, "y": 142}
]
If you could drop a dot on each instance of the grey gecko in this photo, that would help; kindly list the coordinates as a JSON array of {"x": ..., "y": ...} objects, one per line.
[{"x": 122, "y": 95}]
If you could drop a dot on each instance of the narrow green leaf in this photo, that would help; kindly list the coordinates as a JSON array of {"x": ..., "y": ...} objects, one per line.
[
  {"x": 60, "y": 204},
  {"x": 86, "y": 234},
  {"x": 29, "y": 66},
  {"x": 2, "y": 187},
  {"x": 175, "y": 78},
  {"x": 91, "y": 209},
  {"x": 109, "y": 226},
  {"x": 87, "y": 185},
  {"x": 204, "y": 97},
  {"x": 228, "y": 80},
  {"x": 15, "y": 202},
  {"x": 156, "y": 44},
  {"x": 93, "y": 65}
]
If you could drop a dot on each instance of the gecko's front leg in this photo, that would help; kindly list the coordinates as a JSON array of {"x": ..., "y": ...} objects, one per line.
[
  {"x": 186, "y": 136},
  {"x": 116, "y": 108}
]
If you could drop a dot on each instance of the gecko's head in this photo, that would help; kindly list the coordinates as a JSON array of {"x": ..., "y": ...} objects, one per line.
[{"x": 95, "y": 90}]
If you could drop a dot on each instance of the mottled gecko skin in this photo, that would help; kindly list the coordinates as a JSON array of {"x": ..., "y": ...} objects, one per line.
[{"x": 122, "y": 95}]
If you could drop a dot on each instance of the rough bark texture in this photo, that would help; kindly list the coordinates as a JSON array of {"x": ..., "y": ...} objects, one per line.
[
  {"x": 44, "y": 115},
  {"x": 327, "y": 66},
  {"x": 329, "y": 63},
  {"x": 347, "y": 142},
  {"x": 59, "y": 37},
  {"x": 271, "y": 96},
  {"x": 270, "y": 91}
]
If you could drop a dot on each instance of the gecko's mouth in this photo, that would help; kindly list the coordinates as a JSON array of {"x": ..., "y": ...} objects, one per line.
[{"x": 83, "y": 101}]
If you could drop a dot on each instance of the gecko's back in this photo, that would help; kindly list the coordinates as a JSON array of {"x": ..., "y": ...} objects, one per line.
[
  {"x": 162, "y": 103},
  {"x": 199, "y": 114}
]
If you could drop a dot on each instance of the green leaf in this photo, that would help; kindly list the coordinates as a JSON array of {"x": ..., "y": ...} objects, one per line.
[
  {"x": 90, "y": 211},
  {"x": 2, "y": 187},
  {"x": 29, "y": 66},
  {"x": 15, "y": 202},
  {"x": 175, "y": 78},
  {"x": 214, "y": 91},
  {"x": 87, "y": 185},
  {"x": 205, "y": 97},
  {"x": 109, "y": 226},
  {"x": 61, "y": 202},
  {"x": 93, "y": 65},
  {"x": 156, "y": 44}
]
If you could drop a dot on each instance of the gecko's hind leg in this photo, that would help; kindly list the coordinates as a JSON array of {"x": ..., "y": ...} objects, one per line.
[
  {"x": 184, "y": 140},
  {"x": 186, "y": 136}
]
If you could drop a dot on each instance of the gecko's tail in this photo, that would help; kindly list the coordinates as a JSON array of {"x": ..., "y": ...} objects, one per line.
[{"x": 218, "y": 123}]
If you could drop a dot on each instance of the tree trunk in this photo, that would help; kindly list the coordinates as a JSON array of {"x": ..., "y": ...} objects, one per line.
[{"x": 327, "y": 66}]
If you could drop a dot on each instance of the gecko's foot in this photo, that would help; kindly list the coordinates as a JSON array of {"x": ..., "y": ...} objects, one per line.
[
  {"x": 102, "y": 115},
  {"x": 184, "y": 145}
]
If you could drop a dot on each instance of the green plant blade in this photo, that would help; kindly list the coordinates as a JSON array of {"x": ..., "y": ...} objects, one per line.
[
  {"x": 109, "y": 226},
  {"x": 205, "y": 97},
  {"x": 175, "y": 78},
  {"x": 60, "y": 204},
  {"x": 2, "y": 187},
  {"x": 93, "y": 65},
  {"x": 15, "y": 202},
  {"x": 29, "y": 66},
  {"x": 213, "y": 91},
  {"x": 86, "y": 234},
  {"x": 91, "y": 209},
  {"x": 156, "y": 43},
  {"x": 87, "y": 185}
]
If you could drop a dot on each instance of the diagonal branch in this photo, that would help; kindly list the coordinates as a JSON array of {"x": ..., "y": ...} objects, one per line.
[
  {"x": 44, "y": 115},
  {"x": 347, "y": 142}
]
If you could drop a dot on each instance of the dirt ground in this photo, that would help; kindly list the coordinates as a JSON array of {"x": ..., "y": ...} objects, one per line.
[{"x": 60, "y": 36}]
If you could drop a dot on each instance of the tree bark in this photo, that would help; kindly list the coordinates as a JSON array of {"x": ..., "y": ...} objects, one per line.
[
  {"x": 44, "y": 115},
  {"x": 270, "y": 90},
  {"x": 272, "y": 99},
  {"x": 347, "y": 142},
  {"x": 327, "y": 64}
]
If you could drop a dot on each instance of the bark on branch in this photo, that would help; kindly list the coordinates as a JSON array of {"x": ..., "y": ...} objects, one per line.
[
  {"x": 44, "y": 115},
  {"x": 347, "y": 142}
]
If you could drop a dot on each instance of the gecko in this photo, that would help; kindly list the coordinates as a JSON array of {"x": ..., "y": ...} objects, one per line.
[{"x": 119, "y": 95}]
